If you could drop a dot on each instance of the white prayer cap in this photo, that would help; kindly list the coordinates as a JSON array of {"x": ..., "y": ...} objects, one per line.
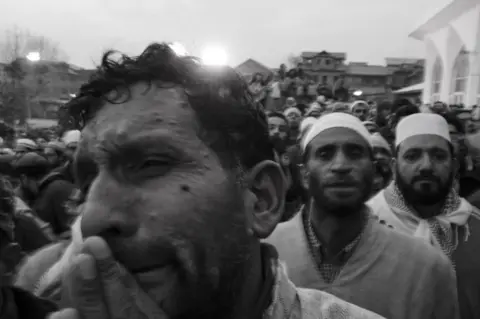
[
  {"x": 71, "y": 137},
  {"x": 25, "y": 144},
  {"x": 421, "y": 124},
  {"x": 333, "y": 120},
  {"x": 307, "y": 123}
]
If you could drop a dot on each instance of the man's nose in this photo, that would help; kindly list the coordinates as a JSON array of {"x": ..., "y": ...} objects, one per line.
[
  {"x": 340, "y": 163},
  {"x": 426, "y": 164},
  {"x": 108, "y": 209}
]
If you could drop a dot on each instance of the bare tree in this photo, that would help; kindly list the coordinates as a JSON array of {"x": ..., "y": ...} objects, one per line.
[
  {"x": 23, "y": 82},
  {"x": 294, "y": 60},
  {"x": 17, "y": 43}
]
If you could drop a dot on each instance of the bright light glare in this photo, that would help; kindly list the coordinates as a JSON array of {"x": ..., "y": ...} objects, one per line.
[
  {"x": 178, "y": 48},
  {"x": 214, "y": 56},
  {"x": 357, "y": 93},
  {"x": 33, "y": 56},
  {"x": 73, "y": 95}
]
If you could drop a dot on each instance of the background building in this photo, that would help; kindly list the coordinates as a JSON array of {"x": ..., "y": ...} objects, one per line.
[
  {"x": 250, "y": 67},
  {"x": 375, "y": 81},
  {"x": 452, "y": 41}
]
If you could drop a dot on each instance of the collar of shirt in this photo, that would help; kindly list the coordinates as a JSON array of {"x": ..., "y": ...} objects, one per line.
[{"x": 344, "y": 253}]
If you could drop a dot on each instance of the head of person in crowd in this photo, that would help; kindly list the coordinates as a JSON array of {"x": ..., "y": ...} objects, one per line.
[
  {"x": 401, "y": 113},
  {"x": 457, "y": 136},
  {"x": 290, "y": 102},
  {"x": 70, "y": 139},
  {"x": 54, "y": 152},
  {"x": 9, "y": 249},
  {"x": 184, "y": 179},
  {"x": 440, "y": 107},
  {"x": 294, "y": 116},
  {"x": 339, "y": 107},
  {"x": 398, "y": 103},
  {"x": 383, "y": 112},
  {"x": 338, "y": 166},
  {"x": 371, "y": 126},
  {"x": 279, "y": 131},
  {"x": 315, "y": 110},
  {"x": 31, "y": 168},
  {"x": 360, "y": 110},
  {"x": 25, "y": 145},
  {"x": 257, "y": 78},
  {"x": 382, "y": 154},
  {"x": 425, "y": 164}
]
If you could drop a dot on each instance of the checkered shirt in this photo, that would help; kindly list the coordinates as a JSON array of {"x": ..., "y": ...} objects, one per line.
[{"x": 329, "y": 271}]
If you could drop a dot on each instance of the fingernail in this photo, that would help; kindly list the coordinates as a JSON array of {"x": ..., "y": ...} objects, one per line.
[{"x": 87, "y": 268}]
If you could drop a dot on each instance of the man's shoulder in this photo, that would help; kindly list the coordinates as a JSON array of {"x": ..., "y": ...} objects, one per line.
[
  {"x": 319, "y": 304},
  {"x": 410, "y": 248}
]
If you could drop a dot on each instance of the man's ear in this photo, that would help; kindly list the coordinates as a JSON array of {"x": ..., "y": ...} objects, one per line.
[{"x": 268, "y": 186}]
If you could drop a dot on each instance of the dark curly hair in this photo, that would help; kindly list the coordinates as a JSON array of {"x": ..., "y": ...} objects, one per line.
[{"x": 233, "y": 125}]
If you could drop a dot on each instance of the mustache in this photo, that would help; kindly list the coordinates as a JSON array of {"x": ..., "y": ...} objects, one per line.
[{"x": 426, "y": 176}]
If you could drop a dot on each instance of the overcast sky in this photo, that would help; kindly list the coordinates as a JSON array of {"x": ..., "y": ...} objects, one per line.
[{"x": 266, "y": 30}]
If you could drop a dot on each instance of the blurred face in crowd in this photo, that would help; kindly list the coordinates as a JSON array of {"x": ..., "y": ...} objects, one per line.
[
  {"x": 339, "y": 171},
  {"x": 383, "y": 170},
  {"x": 424, "y": 169},
  {"x": 51, "y": 155},
  {"x": 294, "y": 119},
  {"x": 278, "y": 130},
  {"x": 371, "y": 127},
  {"x": 439, "y": 107},
  {"x": 361, "y": 111},
  {"x": 168, "y": 209}
]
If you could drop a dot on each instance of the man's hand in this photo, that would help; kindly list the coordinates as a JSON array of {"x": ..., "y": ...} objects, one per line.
[{"x": 100, "y": 288}]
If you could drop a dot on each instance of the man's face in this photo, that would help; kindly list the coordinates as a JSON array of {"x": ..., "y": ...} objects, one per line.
[
  {"x": 361, "y": 111},
  {"x": 294, "y": 119},
  {"x": 165, "y": 205},
  {"x": 278, "y": 128},
  {"x": 339, "y": 167},
  {"x": 372, "y": 128},
  {"x": 424, "y": 169}
]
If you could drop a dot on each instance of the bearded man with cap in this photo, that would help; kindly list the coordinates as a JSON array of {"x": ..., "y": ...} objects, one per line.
[
  {"x": 336, "y": 245},
  {"x": 422, "y": 202}
]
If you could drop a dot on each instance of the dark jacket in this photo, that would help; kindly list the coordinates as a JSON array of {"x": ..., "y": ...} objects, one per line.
[{"x": 20, "y": 304}]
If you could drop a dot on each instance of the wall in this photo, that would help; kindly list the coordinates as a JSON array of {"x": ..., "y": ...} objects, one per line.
[{"x": 446, "y": 44}]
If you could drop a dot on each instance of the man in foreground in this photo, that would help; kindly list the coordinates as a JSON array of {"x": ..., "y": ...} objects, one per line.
[
  {"x": 335, "y": 245},
  {"x": 183, "y": 186},
  {"x": 422, "y": 202}
]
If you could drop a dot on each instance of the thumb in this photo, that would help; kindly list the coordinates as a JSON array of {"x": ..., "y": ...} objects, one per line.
[{"x": 64, "y": 314}]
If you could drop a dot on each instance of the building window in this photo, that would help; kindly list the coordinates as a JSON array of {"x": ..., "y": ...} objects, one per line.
[
  {"x": 461, "y": 69},
  {"x": 437, "y": 79},
  {"x": 327, "y": 61},
  {"x": 324, "y": 79}
]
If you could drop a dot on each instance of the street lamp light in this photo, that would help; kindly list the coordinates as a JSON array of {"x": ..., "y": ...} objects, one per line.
[
  {"x": 33, "y": 56},
  {"x": 214, "y": 56}
]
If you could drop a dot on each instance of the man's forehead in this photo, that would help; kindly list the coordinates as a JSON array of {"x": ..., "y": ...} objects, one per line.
[
  {"x": 148, "y": 108},
  {"x": 424, "y": 141},
  {"x": 337, "y": 136}
]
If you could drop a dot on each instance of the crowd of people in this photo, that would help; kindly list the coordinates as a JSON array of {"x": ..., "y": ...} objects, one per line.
[{"x": 184, "y": 191}]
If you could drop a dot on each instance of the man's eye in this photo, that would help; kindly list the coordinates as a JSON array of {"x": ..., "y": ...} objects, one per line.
[{"x": 154, "y": 163}]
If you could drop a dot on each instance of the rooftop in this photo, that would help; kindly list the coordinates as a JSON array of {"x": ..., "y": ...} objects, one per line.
[
  {"x": 360, "y": 68},
  {"x": 251, "y": 66},
  {"x": 400, "y": 61},
  {"x": 311, "y": 54}
]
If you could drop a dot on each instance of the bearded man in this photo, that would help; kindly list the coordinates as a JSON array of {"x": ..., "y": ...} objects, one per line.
[
  {"x": 335, "y": 245},
  {"x": 183, "y": 185},
  {"x": 423, "y": 203}
]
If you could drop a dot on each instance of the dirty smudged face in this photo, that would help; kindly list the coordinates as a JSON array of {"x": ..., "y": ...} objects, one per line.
[{"x": 163, "y": 202}]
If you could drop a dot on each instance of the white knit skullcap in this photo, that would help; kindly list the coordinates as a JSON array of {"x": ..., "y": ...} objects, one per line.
[
  {"x": 333, "y": 120},
  {"x": 292, "y": 109},
  {"x": 307, "y": 123},
  {"x": 421, "y": 124},
  {"x": 25, "y": 143},
  {"x": 71, "y": 137}
]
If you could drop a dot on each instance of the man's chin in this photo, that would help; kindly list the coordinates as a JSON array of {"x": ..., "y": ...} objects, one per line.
[{"x": 160, "y": 284}]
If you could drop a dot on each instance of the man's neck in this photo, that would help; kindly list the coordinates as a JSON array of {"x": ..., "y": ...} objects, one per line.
[
  {"x": 334, "y": 233},
  {"x": 252, "y": 287},
  {"x": 428, "y": 211}
]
